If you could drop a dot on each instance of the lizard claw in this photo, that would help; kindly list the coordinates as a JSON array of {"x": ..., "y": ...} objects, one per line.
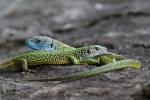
[{"x": 30, "y": 71}]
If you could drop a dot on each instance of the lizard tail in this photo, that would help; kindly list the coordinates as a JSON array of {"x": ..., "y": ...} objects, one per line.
[
  {"x": 7, "y": 64},
  {"x": 130, "y": 63}
]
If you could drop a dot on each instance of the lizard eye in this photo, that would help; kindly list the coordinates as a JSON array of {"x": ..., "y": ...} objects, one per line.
[
  {"x": 38, "y": 41},
  {"x": 96, "y": 48}
]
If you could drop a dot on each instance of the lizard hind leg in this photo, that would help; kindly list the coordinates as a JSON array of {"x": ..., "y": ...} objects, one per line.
[{"x": 22, "y": 65}]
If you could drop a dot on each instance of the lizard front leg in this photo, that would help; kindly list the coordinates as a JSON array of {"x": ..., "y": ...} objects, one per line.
[{"x": 73, "y": 60}]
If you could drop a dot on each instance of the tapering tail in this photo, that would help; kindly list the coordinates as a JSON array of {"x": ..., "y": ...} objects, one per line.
[{"x": 130, "y": 63}]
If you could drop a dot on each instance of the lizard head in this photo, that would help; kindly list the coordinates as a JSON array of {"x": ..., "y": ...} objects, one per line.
[
  {"x": 92, "y": 51},
  {"x": 40, "y": 43}
]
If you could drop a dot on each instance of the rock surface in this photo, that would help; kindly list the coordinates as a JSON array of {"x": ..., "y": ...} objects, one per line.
[{"x": 120, "y": 25}]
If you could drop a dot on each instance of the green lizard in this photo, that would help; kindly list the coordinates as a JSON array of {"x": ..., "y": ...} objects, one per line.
[
  {"x": 39, "y": 57},
  {"x": 47, "y": 43}
]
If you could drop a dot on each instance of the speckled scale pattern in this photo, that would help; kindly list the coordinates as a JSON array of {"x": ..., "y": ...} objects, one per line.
[
  {"x": 46, "y": 57},
  {"x": 39, "y": 57}
]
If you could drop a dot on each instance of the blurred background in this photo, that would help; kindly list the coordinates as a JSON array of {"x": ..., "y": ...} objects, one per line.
[
  {"x": 77, "y": 22},
  {"x": 123, "y": 26}
]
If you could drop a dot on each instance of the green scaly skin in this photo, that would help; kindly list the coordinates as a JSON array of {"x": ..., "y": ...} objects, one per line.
[
  {"x": 105, "y": 68},
  {"x": 40, "y": 57},
  {"x": 43, "y": 43}
]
